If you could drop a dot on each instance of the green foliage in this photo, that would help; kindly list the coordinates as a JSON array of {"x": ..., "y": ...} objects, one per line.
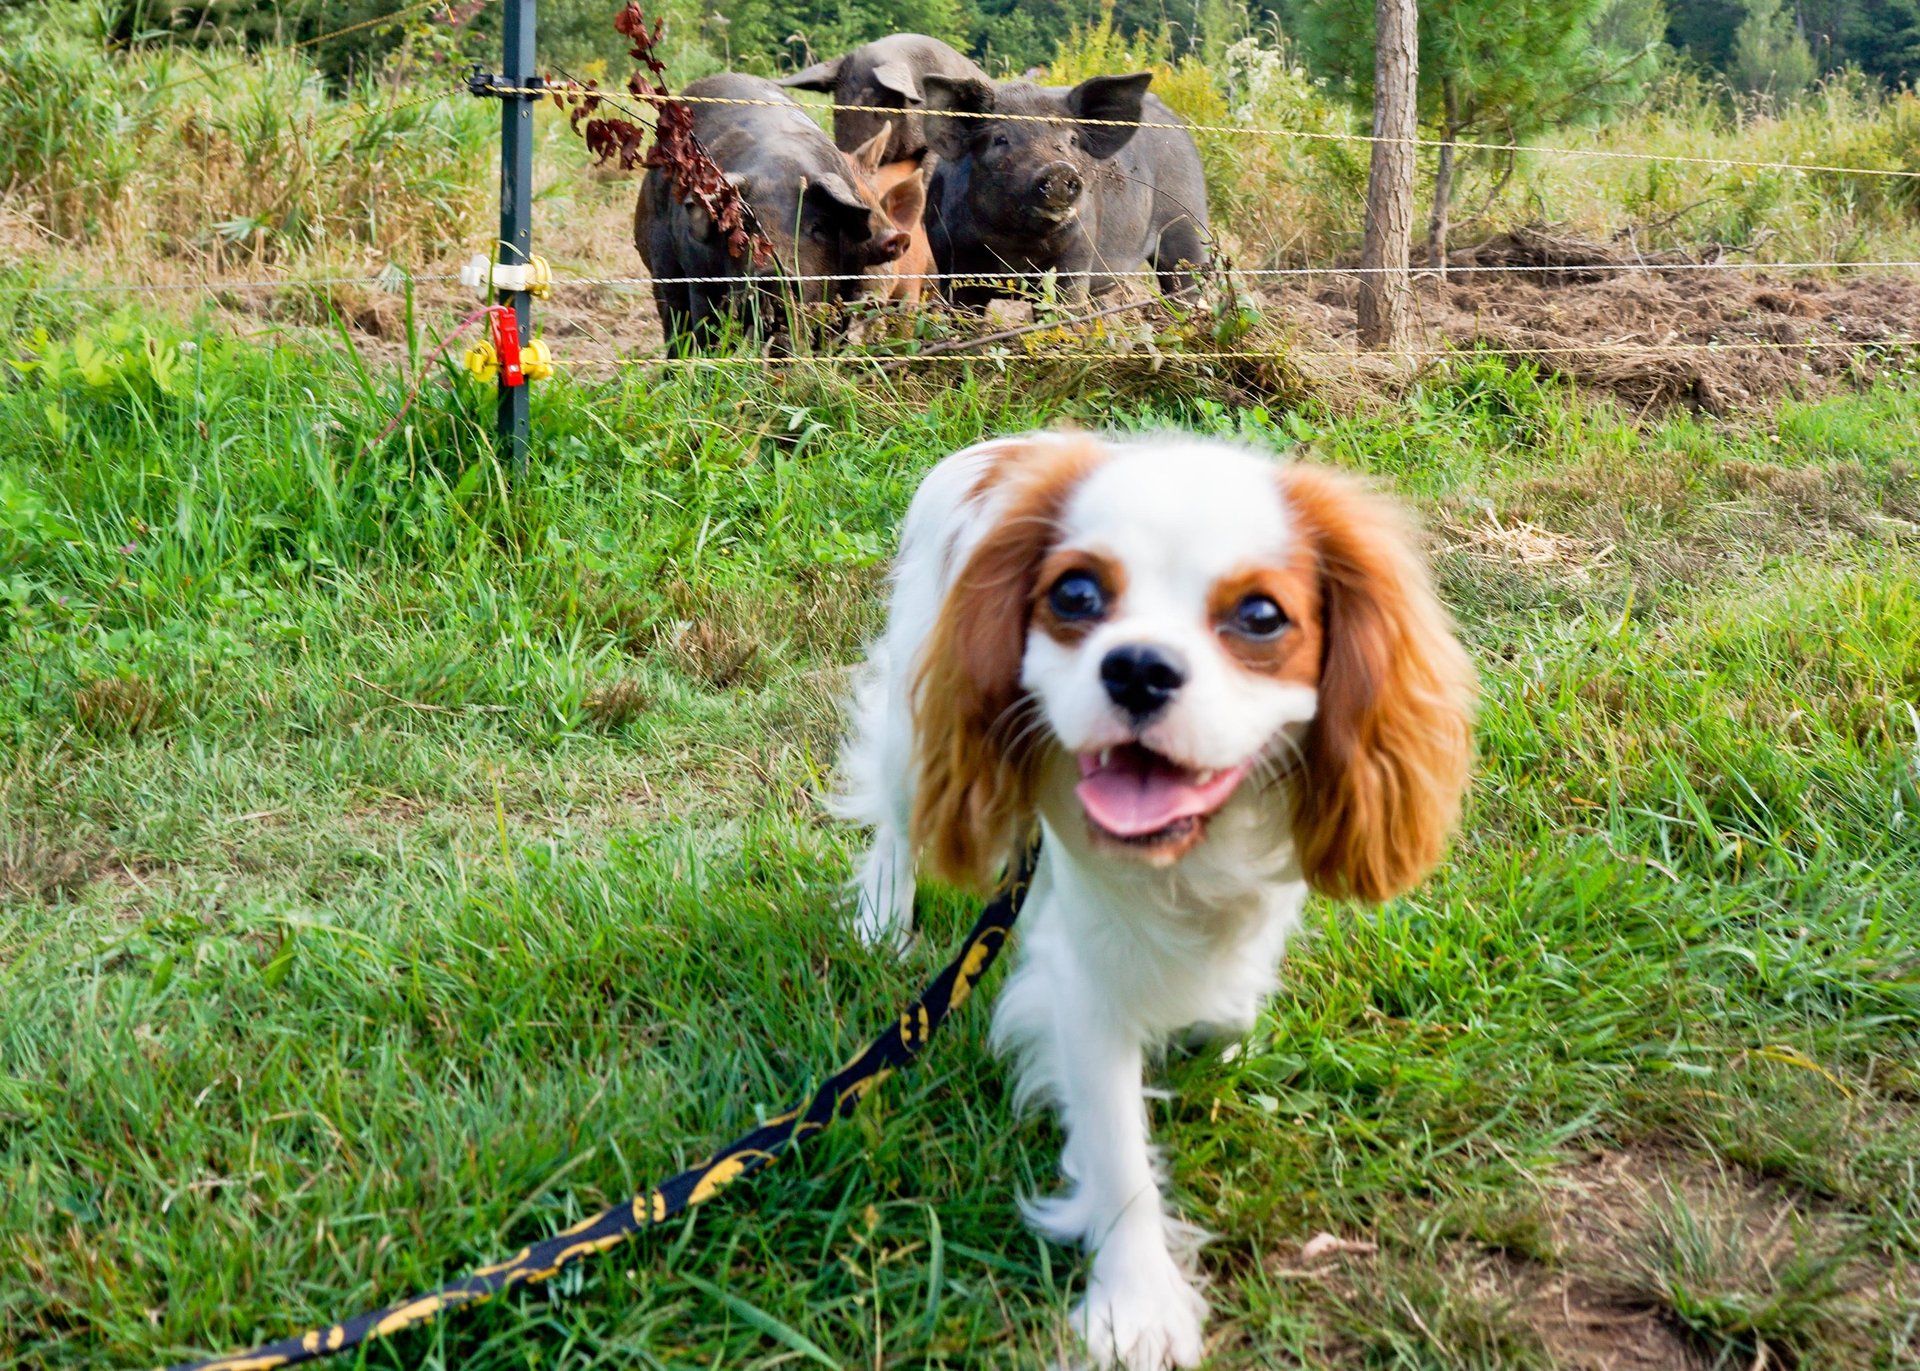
[
  {"x": 1288, "y": 201},
  {"x": 1505, "y": 68},
  {"x": 72, "y": 138},
  {"x": 234, "y": 156},
  {"x": 1844, "y": 121},
  {"x": 1769, "y": 56},
  {"x": 1879, "y": 37}
]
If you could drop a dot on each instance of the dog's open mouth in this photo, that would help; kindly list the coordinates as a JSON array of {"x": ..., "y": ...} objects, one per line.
[{"x": 1136, "y": 797}]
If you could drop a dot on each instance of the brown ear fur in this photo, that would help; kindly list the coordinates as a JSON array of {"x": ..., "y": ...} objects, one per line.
[
  {"x": 973, "y": 782},
  {"x": 1389, "y": 750}
]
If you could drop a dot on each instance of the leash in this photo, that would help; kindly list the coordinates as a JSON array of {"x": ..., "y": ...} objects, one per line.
[{"x": 836, "y": 1098}]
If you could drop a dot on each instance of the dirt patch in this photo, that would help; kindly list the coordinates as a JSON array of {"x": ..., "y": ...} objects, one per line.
[
  {"x": 1639, "y": 1259},
  {"x": 1710, "y": 1262},
  {"x": 1602, "y": 319}
]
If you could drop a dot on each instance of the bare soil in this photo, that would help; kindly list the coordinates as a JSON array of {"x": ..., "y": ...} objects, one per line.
[
  {"x": 1587, "y": 1289},
  {"x": 1612, "y": 325}
]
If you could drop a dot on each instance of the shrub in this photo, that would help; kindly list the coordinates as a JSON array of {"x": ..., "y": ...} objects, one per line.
[{"x": 248, "y": 157}]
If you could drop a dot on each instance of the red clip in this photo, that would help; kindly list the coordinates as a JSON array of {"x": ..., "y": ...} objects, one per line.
[{"x": 506, "y": 342}]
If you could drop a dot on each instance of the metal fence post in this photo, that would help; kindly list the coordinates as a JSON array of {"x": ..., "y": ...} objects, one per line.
[{"x": 516, "y": 208}]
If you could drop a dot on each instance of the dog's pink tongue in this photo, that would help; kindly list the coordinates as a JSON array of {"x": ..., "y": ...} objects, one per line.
[{"x": 1136, "y": 793}]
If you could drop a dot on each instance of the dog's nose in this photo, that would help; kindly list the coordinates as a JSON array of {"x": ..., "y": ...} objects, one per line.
[{"x": 1141, "y": 679}]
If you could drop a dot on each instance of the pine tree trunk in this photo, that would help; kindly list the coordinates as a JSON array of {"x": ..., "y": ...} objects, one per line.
[
  {"x": 1440, "y": 220},
  {"x": 1386, "y": 294}
]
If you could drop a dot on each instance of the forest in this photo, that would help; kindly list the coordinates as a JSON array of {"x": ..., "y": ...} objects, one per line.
[{"x": 1770, "y": 48}]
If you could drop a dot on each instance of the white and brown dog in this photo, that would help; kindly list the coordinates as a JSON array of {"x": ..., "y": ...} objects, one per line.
[{"x": 1217, "y": 683}]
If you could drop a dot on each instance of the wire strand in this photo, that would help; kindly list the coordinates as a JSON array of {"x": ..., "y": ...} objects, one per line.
[
  {"x": 994, "y": 277},
  {"x": 217, "y": 287},
  {"x": 1460, "y": 145},
  {"x": 1159, "y": 357},
  {"x": 983, "y": 278}
]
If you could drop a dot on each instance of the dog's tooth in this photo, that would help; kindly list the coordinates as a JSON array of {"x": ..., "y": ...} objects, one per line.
[
  {"x": 1202, "y": 777},
  {"x": 1106, "y": 755}
]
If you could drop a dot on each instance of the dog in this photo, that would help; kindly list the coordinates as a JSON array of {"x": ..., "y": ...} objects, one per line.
[{"x": 1214, "y": 683}]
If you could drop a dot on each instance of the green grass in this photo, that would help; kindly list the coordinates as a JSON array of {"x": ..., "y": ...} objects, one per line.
[{"x": 401, "y": 859}]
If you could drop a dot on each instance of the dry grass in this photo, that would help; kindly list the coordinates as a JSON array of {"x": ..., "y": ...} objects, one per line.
[{"x": 120, "y": 707}]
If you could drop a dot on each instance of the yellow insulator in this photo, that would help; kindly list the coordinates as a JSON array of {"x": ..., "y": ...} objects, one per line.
[
  {"x": 482, "y": 362},
  {"x": 539, "y": 280},
  {"x": 536, "y": 363}
]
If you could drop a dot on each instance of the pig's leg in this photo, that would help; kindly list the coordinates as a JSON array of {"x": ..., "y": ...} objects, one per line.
[
  {"x": 707, "y": 314},
  {"x": 1180, "y": 257}
]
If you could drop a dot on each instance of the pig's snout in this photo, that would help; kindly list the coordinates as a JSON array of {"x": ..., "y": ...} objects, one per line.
[
  {"x": 1058, "y": 186},
  {"x": 888, "y": 245}
]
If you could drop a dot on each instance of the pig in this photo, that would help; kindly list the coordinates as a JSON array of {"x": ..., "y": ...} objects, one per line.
[
  {"x": 901, "y": 186},
  {"x": 1012, "y": 195},
  {"x": 888, "y": 72},
  {"x": 813, "y": 201}
]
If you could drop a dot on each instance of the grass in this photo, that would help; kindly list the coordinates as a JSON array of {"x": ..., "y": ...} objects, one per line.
[
  {"x": 167, "y": 165},
  {"x": 401, "y": 859}
]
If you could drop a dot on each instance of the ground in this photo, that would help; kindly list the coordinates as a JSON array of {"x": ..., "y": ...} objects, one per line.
[{"x": 403, "y": 858}]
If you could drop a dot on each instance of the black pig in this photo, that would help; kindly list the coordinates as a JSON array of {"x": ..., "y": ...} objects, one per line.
[
  {"x": 1024, "y": 195},
  {"x": 806, "y": 196},
  {"x": 884, "y": 73}
]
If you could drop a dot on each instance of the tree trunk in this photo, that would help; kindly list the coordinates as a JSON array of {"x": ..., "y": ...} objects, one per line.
[
  {"x": 1438, "y": 223},
  {"x": 1386, "y": 295}
]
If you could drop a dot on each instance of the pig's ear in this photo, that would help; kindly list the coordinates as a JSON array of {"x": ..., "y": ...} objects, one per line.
[
  {"x": 898, "y": 78},
  {"x": 871, "y": 155},
  {"x": 819, "y": 76},
  {"x": 841, "y": 206},
  {"x": 965, "y": 98},
  {"x": 1116, "y": 98},
  {"x": 905, "y": 202}
]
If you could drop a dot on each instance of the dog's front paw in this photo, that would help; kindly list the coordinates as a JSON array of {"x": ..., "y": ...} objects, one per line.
[{"x": 1145, "y": 1317}]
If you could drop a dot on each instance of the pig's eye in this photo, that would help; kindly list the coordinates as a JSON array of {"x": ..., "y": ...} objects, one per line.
[
  {"x": 1000, "y": 140},
  {"x": 820, "y": 233}
]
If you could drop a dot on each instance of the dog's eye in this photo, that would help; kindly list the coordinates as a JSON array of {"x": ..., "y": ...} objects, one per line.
[
  {"x": 1257, "y": 616},
  {"x": 1077, "y": 596}
]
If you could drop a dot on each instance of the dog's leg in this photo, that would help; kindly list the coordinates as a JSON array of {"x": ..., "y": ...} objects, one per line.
[
  {"x": 876, "y": 780},
  {"x": 1141, "y": 1310}
]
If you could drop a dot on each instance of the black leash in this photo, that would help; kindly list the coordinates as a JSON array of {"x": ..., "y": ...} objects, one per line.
[{"x": 835, "y": 1099}]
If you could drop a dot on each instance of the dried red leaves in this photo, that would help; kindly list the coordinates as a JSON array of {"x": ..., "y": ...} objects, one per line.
[{"x": 696, "y": 179}]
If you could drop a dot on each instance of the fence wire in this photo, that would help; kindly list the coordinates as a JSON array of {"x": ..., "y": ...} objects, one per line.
[
  {"x": 989, "y": 278},
  {"x": 558, "y": 89},
  {"x": 1171, "y": 356},
  {"x": 398, "y": 280}
]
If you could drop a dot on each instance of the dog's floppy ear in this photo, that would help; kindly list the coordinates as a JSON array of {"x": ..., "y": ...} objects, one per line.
[
  {"x": 1388, "y": 752},
  {"x": 973, "y": 781}
]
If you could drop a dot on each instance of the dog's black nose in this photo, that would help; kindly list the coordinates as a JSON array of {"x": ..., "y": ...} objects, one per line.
[{"x": 1141, "y": 679}]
